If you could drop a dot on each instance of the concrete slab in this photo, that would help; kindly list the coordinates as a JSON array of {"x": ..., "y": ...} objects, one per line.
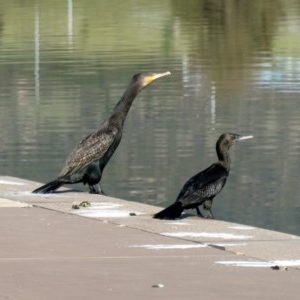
[
  {"x": 113, "y": 249},
  {"x": 9, "y": 203},
  {"x": 243, "y": 240}
]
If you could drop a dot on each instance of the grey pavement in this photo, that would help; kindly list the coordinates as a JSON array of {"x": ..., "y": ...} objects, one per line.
[{"x": 113, "y": 249}]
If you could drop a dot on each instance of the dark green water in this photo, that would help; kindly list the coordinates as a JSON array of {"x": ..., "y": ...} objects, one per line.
[{"x": 235, "y": 68}]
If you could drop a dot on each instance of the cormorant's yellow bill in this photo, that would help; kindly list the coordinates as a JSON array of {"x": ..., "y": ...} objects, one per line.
[{"x": 154, "y": 76}]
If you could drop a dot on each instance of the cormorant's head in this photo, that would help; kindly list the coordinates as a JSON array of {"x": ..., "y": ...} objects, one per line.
[
  {"x": 229, "y": 139},
  {"x": 143, "y": 79}
]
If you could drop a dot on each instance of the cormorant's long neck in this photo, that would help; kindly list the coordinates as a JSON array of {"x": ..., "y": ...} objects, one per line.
[
  {"x": 122, "y": 107},
  {"x": 223, "y": 156}
]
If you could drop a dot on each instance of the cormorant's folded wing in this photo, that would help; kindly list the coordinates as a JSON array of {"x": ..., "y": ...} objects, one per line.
[
  {"x": 91, "y": 148},
  {"x": 203, "y": 185}
]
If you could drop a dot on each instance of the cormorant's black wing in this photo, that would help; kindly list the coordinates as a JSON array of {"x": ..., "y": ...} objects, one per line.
[
  {"x": 204, "y": 185},
  {"x": 91, "y": 148}
]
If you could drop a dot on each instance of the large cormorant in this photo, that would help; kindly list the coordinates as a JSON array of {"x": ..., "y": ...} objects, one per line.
[
  {"x": 87, "y": 161},
  {"x": 204, "y": 186}
]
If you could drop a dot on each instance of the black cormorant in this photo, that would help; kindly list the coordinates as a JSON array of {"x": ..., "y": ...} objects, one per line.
[
  {"x": 87, "y": 161},
  {"x": 204, "y": 186}
]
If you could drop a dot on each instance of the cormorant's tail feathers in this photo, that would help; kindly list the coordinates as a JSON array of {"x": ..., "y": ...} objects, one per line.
[
  {"x": 49, "y": 187},
  {"x": 171, "y": 212}
]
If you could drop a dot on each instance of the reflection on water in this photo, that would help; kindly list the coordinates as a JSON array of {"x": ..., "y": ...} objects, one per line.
[{"x": 235, "y": 67}]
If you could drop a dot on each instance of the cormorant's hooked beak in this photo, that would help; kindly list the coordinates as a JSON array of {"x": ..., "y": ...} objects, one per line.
[
  {"x": 155, "y": 76},
  {"x": 244, "y": 137}
]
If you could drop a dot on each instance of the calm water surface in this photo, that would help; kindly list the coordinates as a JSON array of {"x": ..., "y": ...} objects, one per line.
[{"x": 235, "y": 68}]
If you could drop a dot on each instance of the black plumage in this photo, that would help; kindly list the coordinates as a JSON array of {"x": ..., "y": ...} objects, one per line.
[
  {"x": 204, "y": 186},
  {"x": 87, "y": 161}
]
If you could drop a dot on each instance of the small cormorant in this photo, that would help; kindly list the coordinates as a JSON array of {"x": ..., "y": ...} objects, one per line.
[
  {"x": 87, "y": 161},
  {"x": 204, "y": 186}
]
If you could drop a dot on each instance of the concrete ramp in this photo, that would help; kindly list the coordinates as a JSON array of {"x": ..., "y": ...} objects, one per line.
[{"x": 73, "y": 245}]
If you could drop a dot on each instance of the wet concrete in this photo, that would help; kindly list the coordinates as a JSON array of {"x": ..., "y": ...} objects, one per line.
[{"x": 113, "y": 249}]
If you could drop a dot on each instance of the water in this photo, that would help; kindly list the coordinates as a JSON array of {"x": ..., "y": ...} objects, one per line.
[{"x": 235, "y": 68}]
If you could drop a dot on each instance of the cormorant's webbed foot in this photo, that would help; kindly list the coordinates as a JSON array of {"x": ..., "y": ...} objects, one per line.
[
  {"x": 209, "y": 215},
  {"x": 96, "y": 189}
]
